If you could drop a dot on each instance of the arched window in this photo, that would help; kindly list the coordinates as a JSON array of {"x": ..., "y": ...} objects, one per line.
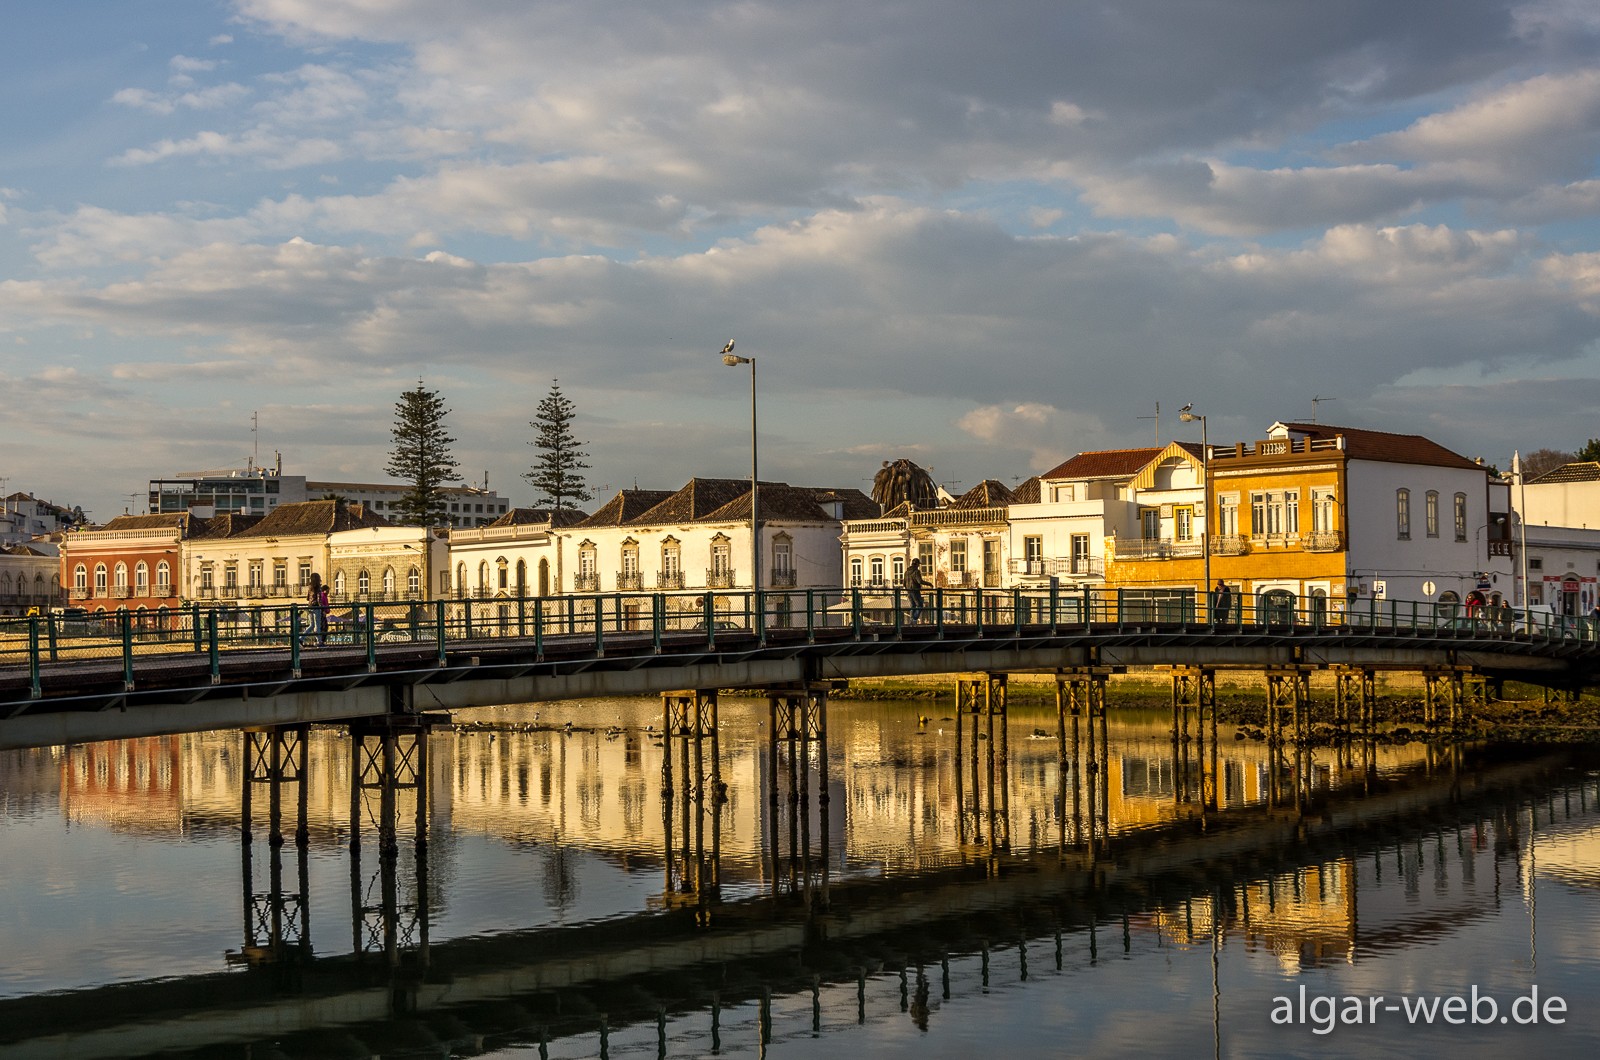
[
  {"x": 80, "y": 577},
  {"x": 163, "y": 576},
  {"x": 898, "y": 568},
  {"x": 363, "y": 582},
  {"x": 855, "y": 571},
  {"x": 338, "y": 583},
  {"x": 413, "y": 581},
  {"x": 1430, "y": 511},
  {"x": 121, "y": 573},
  {"x": 502, "y": 569},
  {"x": 1461, "y": 517},
  {"x": 5, "y": 584},
  {"x": 461, "y": 579},
  {"x": 522, "y": 577},
  {"x": 483, "y": 575},
  {"x": 875, "y": 565},
  {"x": 1402, "y": 514},
  {"x": 388, "y": 581},
  {"x": 141, "y": 578},
  {"x": 99, "y": 579}
]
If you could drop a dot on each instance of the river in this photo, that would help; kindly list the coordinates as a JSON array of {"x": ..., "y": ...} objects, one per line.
[{"x": 926, "y": 894}]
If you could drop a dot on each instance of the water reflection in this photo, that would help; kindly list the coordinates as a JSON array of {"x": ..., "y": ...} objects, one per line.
[{"x": 731, "y": 874}]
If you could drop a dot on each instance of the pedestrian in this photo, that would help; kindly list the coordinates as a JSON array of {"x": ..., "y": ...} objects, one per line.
[
  {"x": 1221, "y": 602},
  {"x": 317, "y": 598},
  {"x": 914, "y": 585}
]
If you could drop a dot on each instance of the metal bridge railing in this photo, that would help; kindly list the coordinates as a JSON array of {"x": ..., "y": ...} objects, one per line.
[{"x": 689, "y": 620}]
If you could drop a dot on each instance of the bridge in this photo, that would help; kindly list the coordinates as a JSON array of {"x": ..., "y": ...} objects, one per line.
[{"x": 75, "y": 679}]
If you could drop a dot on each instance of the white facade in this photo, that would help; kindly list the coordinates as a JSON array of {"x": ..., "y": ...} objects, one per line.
[
  {"x": 30, "y": 577},
  {"x": 518, "y": 560},
  {"x": 1415, "y": 527},
  {"x": 387, "y": 563}
]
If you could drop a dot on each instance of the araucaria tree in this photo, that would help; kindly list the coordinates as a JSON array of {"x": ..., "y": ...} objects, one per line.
[
  {"x": 421, "y": 456},
  {"x": 557, "y": 474}
]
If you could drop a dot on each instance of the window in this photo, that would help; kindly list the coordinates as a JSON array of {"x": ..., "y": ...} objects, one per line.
[
  {"x": 1033, "y": 554},
  {"x": 280, "y": 574},
  {"x": 1402, "y": 514},
  {"x": 721, "y": 557},
  {"x": 1080, "y": 553},
  {"x": 1062, "y": 493},
  {"x": 99, "y": 579},
  {"x": 782, "y": 555},
  {"x": 925, "y": 554},
  {"x": 1291, "y": 511},
  {"x": 461, "y": 580},
  {"x": 1461, "y": 517},
  {"x": 230, "y": 575},
  {"x": 671, "y": 558},
  {"x": 855, "y": 571},
  {"x": 80, "y": 577},
  {"x": 1324, "y": 514},
  {"x": 1183, "y": 523},
  {"x": 413, "y": 581},
  {"x": 338, "y": 583},
  {"x": 122, "y": 577},
  {"x": 141, "y": 578},
  {"x": 630, "y": 559},
  {"x": 305, "y": 573},
  {"x": 958, "y": 557},
  {"x": 163, "y": 576},
  {"x": 1150, "y": 523},
  {"x": 388, "y": 581},
  {"x": 898, "y": 568},
  {"x": 363, "y": 583},
  {"x": 1228, "y": 515},
  {"x": 483, "y": 574},
  {"x": 256, "y": 574},
  {"x": 207, "y": 576},
  {"x": 1430, "y": 512},
  {"x": 876, "y": 565},
  {"x": 1274, "y": 513}
]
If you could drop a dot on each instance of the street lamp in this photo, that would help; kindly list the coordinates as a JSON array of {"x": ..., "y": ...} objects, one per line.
[
  {"x": 732, "y": 360},
  {"x": 1187, "y": 416}
]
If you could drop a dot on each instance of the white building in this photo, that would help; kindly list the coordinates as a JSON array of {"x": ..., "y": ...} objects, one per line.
[
  {"x": 1560, "y": 520},
  {"x": 260, "y": 490},
  {"x": 24, "y": 517},
  {"x": 30, "y": 578},
  {"x": 270, "y": 560},
  {"x": 517, "y": 555}
]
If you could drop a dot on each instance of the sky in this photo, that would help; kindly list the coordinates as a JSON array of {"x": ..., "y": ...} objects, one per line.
[{"x": 982, "y": 236}]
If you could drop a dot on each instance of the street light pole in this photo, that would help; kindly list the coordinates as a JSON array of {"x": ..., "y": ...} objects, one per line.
[
  {"x": 730, "y": 359},
  {"x": 1205, "y": 502}
]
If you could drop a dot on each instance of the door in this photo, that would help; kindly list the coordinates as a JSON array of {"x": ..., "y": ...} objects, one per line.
[{"x": 991, "y": 563}]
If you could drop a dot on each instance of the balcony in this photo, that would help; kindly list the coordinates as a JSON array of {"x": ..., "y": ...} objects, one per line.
[
  {"x": 80, "y": 594},
  {"x": 162, "y": 591},
  {"x": 783, "y": 579},
  {"x": 1230, "y": 545},
  {"x": 206, "y": 592},
  {"x": 1157, "y": 548},
  {"x": 586, "y": 582},
  {"x": 720, "y": 578},
  {"x": 1500, "y": 548},
  {"x": 669, "y": 579},
  {"x": 630, "y": 580},
  {"x": 961, "y": 579},
  {"x": 1058, "y": 567},
  {"x": 120, "y": 592},
  {"x": 1323, "y": 541},
  {"x": 230, "y": 592}
]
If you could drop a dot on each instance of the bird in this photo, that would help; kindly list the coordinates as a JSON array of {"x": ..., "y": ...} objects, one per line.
[
  {"x": 1186, "y": 408},
  {"x": 729, "y": 347}
]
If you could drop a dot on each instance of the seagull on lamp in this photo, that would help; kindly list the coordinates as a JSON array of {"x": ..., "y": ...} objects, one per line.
[
  {"x": 1186, "y": 408},
  {"x": 729, "y": 347}
]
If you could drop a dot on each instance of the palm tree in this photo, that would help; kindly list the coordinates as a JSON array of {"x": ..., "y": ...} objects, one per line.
[{"x": 901, "y": 480}]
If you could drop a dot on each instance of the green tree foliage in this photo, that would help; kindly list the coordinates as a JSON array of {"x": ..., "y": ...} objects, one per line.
[
  {"x": 557, "y": 474},
  {"x": 1589, "y": 452},
  {"x": 901, "y": 480},
  {"x": 421, "y": 456}
]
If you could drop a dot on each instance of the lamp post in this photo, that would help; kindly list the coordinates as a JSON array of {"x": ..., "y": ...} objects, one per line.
[
  {"x": 732, "y": 360},
  {"x": 1187, "y": 416}
]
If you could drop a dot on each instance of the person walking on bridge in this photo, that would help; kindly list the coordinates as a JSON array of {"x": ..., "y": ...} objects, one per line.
[
  {"x": 317, "y": 599},
  {"x": 1221, "y": 602},
  {"x": 914, "y": 586}
]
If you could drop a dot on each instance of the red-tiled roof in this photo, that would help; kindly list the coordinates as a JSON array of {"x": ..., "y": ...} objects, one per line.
[
  {"x": 314, "y": 517},
  {"x": 1579, "y": 471},
  {"x": 990, "y": 493},
  {"x": 226, "y": 525},
  {"x": 625, "y": 507},
  {"x": 540, "y": 516},
  {"x": 148, "y": 522},
  {"x": 1104, "y": 463},
  {"x": 1028, "y": 492},
  {"x": 1362, "y": 444}
]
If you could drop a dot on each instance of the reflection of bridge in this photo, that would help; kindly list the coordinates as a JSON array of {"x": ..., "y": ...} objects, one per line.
[
  {"x": 695, "y": 961},
  {"x": 203, "y": 673}
]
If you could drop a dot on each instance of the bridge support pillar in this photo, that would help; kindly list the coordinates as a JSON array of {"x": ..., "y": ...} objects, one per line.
[
  {"x": 985, "y": 820},
  {"x": 389, "y": 763},
  {"x": 693, "y": 868},
  {"x": 797, "y": 724},
  {"x": 1449, "y": 693},
  {"x": 1288, "y": 692},
  {"x": 277, "y": 919},
  {"x": 1354, "y": 690}
]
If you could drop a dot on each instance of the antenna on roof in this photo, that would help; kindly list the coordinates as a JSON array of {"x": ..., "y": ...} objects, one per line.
[
  {"x": 1315, "y": 401},
  {"x": 255, "y": 440},
  {"x": 1157, "y": 418}
]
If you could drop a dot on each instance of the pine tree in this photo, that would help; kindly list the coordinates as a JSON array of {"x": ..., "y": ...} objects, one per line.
[
  {"x": 558, "y": 473},
  {"x": 421, "y": 456}
]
